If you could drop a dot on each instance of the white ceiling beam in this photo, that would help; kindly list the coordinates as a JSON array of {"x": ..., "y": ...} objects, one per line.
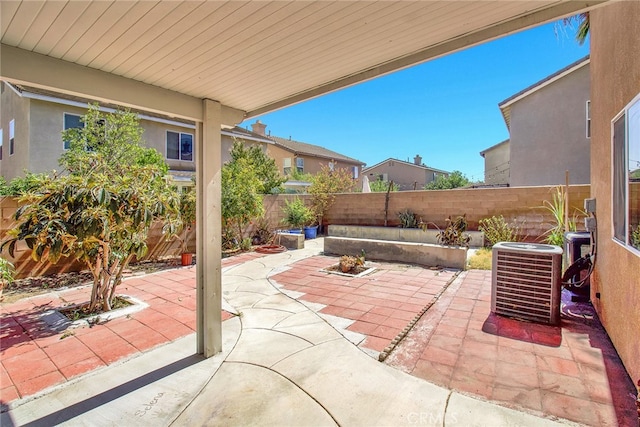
[{"x": 32, "y": 69}]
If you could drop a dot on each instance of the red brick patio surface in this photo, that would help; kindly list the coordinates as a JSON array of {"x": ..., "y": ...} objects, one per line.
[
  {"x": 569, "y": 371},
  {"x": 34, "y": 357}
]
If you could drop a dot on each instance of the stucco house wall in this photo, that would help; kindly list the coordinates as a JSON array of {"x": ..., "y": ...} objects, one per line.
[
  {"x": 496, "y": 164},
  {"x": 548, "y": 133},
  {"x": 14, "y": 108},
  {"x": 404, "y": 174},
  {"x": 38, "y": 141},
  {"x": 615, "y": 81}
]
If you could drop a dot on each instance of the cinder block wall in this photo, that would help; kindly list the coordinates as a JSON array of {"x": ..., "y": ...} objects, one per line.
[{"x": 522, "y": 204}]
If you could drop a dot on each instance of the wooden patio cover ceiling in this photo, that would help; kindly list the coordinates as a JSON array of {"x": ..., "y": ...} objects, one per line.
[{"x": 257, "y": 56}]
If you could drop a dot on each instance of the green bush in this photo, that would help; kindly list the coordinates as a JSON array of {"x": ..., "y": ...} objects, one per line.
[
  {"x": 496, "y": 229},
  {"x": 296, "y": 213},
  {"x": 408, "y": 219}
]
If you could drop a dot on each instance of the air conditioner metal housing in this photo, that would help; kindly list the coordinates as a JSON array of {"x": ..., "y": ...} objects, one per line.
[{"x": 526, "y": 281}]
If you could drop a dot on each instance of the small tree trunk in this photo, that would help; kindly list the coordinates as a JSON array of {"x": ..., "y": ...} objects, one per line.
[{"x": 118, "y": 279}]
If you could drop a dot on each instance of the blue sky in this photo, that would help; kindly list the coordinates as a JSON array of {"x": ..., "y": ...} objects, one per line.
[{"x": 446, "y": 109}]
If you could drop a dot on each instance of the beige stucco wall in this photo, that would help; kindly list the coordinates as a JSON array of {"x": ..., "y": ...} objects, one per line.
[
  {"x": 496, "y": 164},
  {"x": 548, "y": 134},
  {"x": 402, "y": 174},
  {"x": 615, "y": 81},
  {"x": 14, "y": 108},
  {"x": 312, "y": 164}
]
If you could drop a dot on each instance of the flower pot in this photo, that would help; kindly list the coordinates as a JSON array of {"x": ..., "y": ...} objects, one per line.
[
  {"x": 187, "y": 259},
  {"x": 311, "y": 232}
]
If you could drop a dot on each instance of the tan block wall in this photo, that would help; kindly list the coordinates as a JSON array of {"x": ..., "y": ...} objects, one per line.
[
  {"x": 615, "y": 81},
  {"x": 524, "y": 204}
]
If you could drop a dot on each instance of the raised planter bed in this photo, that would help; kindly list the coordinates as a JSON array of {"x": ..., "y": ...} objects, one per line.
[
  {"x": 425, "y": 254},
  {"x": 397, "y": 234}
]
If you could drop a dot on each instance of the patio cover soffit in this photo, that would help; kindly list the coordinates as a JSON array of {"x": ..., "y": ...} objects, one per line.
[{"x": 252, "y": 57}]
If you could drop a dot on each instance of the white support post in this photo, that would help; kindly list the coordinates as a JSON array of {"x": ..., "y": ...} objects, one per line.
[{"x": 208, "y": 230}]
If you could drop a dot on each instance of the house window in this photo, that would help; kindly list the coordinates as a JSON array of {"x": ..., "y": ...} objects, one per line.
[
  {"x": 286, "y": 165},
  {"x": 332, "y": 166},
  {"x": 354, "y": 172},
  {"x": 300, "y": 164},
  {"x": 71, "y": 121},
  {"x": 12, "y": 135},
  {"x": 179, "y": 146},
  {"x": 626, "y": 175},
  {"x": 588, "y": 119}
]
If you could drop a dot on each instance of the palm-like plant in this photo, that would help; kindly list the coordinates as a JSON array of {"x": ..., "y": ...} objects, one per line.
[{"x": 583, "y": 23}]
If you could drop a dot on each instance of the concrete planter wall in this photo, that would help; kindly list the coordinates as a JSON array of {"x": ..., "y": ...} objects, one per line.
[
  {"x": 414, "y": 235},
  {"x": 406, "y": 245}
]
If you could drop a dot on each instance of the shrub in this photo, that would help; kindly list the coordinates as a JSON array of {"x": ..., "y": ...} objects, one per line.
[
  {"x": 555, "y": 234},
  {"x": 496, "y": 229},
  {"x": 408, "y": 219},
  {"x": 454, "y": 233},
  {"x": 380, "y": 186},
  {"x": 296, "y": 213}
]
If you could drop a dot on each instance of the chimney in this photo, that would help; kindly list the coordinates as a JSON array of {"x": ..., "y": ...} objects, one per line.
[
  {"x": 417, "y": 160},
  {"x": 259, "y": 128}
]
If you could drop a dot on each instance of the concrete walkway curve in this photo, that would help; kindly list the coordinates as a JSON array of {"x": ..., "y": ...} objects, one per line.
[{"x": 282, "y": 365}]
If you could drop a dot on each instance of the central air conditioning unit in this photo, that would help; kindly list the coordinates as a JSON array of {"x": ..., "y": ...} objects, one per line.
[{"x": 526, "y": 281}]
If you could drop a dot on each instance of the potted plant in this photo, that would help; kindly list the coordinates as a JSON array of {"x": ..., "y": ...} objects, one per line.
[
  {"x": 296, "y": 215},
  {"x": 188, "y": 216}
]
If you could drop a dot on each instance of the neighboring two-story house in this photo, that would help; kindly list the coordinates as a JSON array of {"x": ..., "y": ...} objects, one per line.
[
  {"x": 496, "y": 164},
  {"x": 292, "y": 155},
  {"x": 549, "y": 132},
  {"x": 407, "y": 175},
  {"x": 32, "y": 121}
]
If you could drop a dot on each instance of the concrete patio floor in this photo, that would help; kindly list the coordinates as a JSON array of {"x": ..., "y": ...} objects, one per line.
[{"x": 309, "y": 340}]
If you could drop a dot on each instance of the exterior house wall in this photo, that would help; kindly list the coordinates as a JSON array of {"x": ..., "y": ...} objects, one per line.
[
  {"x": 312, "y": 164},
  {"x": 403, "y": 174},
  {"x": 615, "y": 81},
  {"x": 14, "y": 108},
  {"x": 496, "y": 164},
  {"x": 548, "y": 133}
]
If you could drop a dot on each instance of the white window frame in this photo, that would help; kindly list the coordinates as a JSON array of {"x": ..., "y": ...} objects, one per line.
[
  {"x": 12, "y": 136},
  {"x": 286, "y": 165},
  {"x": 588, "y": 119},
  {"x": 180, "y": 153},
  {"x": 300, "y": 164},
  {"x": 621, "y": 209}
]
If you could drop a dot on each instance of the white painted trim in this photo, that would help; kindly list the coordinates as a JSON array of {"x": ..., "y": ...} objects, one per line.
[
  {"x": 248, "y": 138},
  {"x": 546, "y": 83}
]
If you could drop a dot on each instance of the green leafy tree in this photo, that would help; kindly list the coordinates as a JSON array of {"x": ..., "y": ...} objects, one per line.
[
  {"x": 296, "y": 175},
  {"x": 264, "y": 167},
  {"x": 101, "y": 211},
  {"x": 379, "y": 186},
  {"x": 21, "y": 185},
  {"x": 241, "y": 194},
  {"x": 455, "y": 179},
  {"x": 324, "y": 186}
]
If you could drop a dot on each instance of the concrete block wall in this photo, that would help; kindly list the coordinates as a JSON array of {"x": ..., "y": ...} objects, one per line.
[{"x": 522, "y": 204}]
